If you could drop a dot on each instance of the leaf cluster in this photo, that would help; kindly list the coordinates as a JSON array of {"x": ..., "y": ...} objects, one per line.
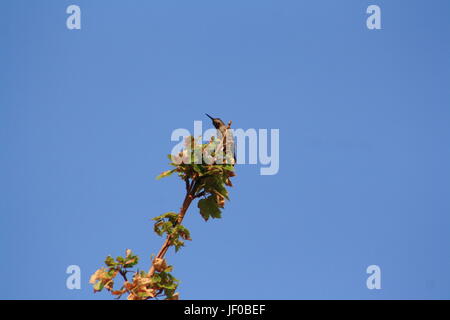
[
  {"x": 167, "y": 223},
  {"x": 205, "y": 178},
  {"x": 142, "y": 285}
]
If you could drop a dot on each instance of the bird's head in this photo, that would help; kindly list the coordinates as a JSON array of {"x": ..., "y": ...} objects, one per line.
[{"x": 216, "y": 121}]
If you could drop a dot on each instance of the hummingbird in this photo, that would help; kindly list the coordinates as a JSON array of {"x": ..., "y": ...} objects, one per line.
[{"x": 222, "y": 129}]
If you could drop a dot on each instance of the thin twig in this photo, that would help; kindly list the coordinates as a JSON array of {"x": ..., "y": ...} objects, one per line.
[{"x": 123, "y": 274}]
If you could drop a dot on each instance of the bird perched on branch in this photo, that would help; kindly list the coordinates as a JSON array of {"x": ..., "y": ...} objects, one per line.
[{"x": 226, "y": 136}]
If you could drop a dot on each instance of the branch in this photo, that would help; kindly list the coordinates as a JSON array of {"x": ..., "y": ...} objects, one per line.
[
  {"x": 186, "y": 203},
  {"x": 123, "y": 274}
]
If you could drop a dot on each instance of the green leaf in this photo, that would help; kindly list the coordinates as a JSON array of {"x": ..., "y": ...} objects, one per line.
[
  {"x": 198, "y": 169},
  {"x": 172, "y": 216},
  {"x": 216, "y": 185},
  {"x": 228, "y": 167},
  {"x": 167, "y": 227},
  {"x": 183, "y": 232},
  {"x": 178, "y": 244},
  {"x": 220, "y": 188},
  {"x": 111, "y": 272},
  {"x": 170, "y": 286},
  {"x": 156, "y": 278},
  {"x": 168, "y": 269},
  {"x": 131, "y": 262},
  {"x": 98, "y": 286},
  {"x": 209, "y": 208},
  {"x": 157, "y": 228},
  {"x": 169, "y": 293},
  {"x": 142, "y": 294},
  {"x": 109, "y": 261},
  {"x": 165, "y": 174}
]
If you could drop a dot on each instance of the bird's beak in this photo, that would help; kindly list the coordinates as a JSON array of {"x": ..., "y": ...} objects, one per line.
[{"x": 209, "y": 116}]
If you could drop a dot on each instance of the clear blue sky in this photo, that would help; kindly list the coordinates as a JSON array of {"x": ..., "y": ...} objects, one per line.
[{"x": 86, "y": 118}]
